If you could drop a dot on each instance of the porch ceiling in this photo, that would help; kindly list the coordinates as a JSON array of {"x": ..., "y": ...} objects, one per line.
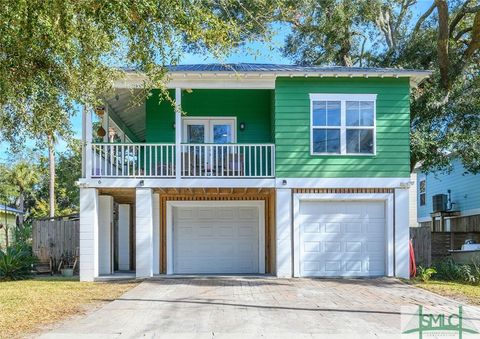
[
  {"x": 120, "y": 195},
  {"x": 127, "y": 112}
]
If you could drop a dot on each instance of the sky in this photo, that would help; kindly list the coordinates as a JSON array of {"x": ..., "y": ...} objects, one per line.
[{"x": 253, "y": 52}]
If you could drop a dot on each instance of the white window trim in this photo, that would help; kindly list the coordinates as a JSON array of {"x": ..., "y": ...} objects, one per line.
[
  {"x": 387, "y": 198},
  {"x": 260, "y": 204},
  {"x": 420, "y": 192},
  {"x": 343, "y": 127}
]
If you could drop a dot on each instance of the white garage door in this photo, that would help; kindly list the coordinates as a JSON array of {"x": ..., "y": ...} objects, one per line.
[
  {"x": 223, "y": 239},
  {"x": 344, "y": 238}
]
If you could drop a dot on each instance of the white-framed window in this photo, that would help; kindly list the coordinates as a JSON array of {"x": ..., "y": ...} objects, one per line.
[
  {"x": 422, "y": 191},
  {"x": 342, "y": 124}
]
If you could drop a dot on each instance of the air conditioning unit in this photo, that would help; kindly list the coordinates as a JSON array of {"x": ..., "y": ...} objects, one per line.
[{"x": 439, "y": 203}]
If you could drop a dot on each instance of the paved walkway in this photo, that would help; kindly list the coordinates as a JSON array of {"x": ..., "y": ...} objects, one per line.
[{"x": 234, "y": 307}]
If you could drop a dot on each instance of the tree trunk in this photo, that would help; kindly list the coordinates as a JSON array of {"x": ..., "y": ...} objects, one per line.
[
  {"x": 51, "y": 165},
  {"x": 21, "y": 205},
  {"x": 442, "y": 43}
]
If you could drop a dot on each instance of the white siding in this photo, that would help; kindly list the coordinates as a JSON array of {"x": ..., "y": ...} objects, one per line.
[
  {"x": 88, "y": 234},
  {"x": 144, "y": 232},
  {"x": 105, "y": 234},
  {"x": 156, "y": 234},
  {"x": 412, "y": 201},
  {"x": 124, "y": 237},
  {"x": 402, "y": 234},
  {"x": 284, "y": 232}
]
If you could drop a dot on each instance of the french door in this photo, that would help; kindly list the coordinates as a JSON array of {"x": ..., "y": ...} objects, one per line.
[
  {"x": 208, "y": 159},
  {"x": 209, "y": 131}
]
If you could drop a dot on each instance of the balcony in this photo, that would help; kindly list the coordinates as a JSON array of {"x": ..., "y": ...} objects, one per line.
[{"x": 159, "y": 160}]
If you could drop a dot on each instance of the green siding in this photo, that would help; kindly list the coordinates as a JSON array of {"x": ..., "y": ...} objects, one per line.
[
  {"x": 292, "y": 129},
  {"x": 252, "y": 107}
]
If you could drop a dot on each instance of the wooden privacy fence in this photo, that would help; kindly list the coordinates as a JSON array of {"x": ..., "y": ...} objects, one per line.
[
  {"x": 422, "y": 245},
  {"x": 434, "y": 246},
  {"x": 52, "y": 238}
]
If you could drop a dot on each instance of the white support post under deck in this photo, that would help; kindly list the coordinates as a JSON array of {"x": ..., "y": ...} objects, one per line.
[
  {"x": 87, "y": 119},
  {"x": 106, "y": 125},
  {"x": 178, "y": 131}
]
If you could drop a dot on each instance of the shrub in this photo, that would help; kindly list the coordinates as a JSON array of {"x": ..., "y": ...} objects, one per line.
[
  {"x": 425, "y": 273},
  {"x": 16, "y": 262},
  {"x": 450, "y": 271},
  {"x": 447, "y": 270}
]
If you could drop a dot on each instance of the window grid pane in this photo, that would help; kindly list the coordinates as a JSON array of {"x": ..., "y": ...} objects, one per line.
[
  {"x": 326, "y": 113},
  {"x": 326, "y": 140},
  {"x": 359, "y": 113},
  {"x": 359, "y": 141}
]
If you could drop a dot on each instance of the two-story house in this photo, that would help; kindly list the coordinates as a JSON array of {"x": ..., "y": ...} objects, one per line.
[
  {"x": 461, "y": 202},
  {"x": 250, "y": 169}
]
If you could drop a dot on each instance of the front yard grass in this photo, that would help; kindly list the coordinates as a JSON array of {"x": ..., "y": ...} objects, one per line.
[
  {"x": 455, "y": 290},
  {"x": 29, "y": 304}
]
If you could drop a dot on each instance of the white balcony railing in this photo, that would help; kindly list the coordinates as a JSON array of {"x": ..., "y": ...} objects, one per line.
[
  {"x": 197, "y": 160},
  {"x": 133, "y": 160},
  {"x": 228, "y": 160}
]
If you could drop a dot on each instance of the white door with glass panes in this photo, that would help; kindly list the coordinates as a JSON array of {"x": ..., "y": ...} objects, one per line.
[
  {"x": 209, "y": 131},
  {"x": 205, "y": 160}
]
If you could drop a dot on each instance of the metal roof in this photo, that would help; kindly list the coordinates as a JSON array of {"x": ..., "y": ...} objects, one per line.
[
  {"x": 10, "y": 209},
  {"x": 253, "y": 67}
]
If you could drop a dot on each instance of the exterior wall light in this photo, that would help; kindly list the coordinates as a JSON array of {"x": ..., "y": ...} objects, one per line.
[
  {"x": 242, "y": 126},
  {"x": 173, "y": 125}
]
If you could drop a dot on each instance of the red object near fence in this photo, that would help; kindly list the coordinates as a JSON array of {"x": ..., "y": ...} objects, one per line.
[{"x": 413, "y": 267}]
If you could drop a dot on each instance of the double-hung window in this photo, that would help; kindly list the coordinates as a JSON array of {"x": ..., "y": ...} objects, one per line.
[
  {"x": 342, "y": 124},
  {"x": 423, "y": 192}
]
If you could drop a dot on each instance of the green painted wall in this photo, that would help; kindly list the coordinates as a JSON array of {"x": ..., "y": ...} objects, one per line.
[
  {"x": 253, "y": 107},
  {"x": 292, "y": 129}
]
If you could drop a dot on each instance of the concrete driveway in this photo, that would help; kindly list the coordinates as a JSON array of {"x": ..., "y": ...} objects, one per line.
[{"x": 252, "y": 307}]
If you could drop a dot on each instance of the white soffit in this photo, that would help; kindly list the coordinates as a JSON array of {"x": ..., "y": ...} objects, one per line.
[{"x": 256, "y": 80}]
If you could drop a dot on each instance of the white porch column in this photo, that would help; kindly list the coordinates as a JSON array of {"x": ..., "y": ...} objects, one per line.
[
  {"x": 84, "y": 138},
  {"x": 144, "y": 232},
  {"x": 402, "y": 234},
  {"x": 156, "y": 233},
  {"x": 88, "y": 142},
  {"x": 284, "y": 233},
  {"x": 178, "y": 131},
  {"x": 88, "y": 234},
  {"x": 105, "y": 234},
  {"x": 124, "y": 237},
  {"x": 106, "y": 124}
]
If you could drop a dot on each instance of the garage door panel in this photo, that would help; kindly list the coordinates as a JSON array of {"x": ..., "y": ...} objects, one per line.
[
  {"x": 311, "y": 227},
  {"x": 332, "y": 246},
  {"x": 225, "y": 231},
  {"x": 246, "y": 230},
  {"x": 342, "y": 238},
  {"x": 247, "y": 213},
  {"x": 353, "y": 246},
  {"x": 223, "y": 213},
  {"x": 215, "y": 239}
]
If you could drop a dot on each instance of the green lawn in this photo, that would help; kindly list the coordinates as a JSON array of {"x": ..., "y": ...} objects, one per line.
[
  {"x": 28, "y": 304},
  {"x": 462, "y": 292}
]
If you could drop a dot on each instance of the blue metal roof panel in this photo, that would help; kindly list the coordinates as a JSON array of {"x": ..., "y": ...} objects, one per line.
[
  {"x": 10, "y": 209},
  {"x": 251, "y": 67}
]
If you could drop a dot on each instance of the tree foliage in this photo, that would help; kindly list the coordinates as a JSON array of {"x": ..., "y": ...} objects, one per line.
[
  {"x": 54, "y": 53},
  {"x": 445, "y": 111},
  {"x": 24, "y": 181}
]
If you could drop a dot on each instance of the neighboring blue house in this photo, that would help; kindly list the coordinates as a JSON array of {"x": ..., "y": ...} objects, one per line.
[{"x": 464, "y": 195}]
